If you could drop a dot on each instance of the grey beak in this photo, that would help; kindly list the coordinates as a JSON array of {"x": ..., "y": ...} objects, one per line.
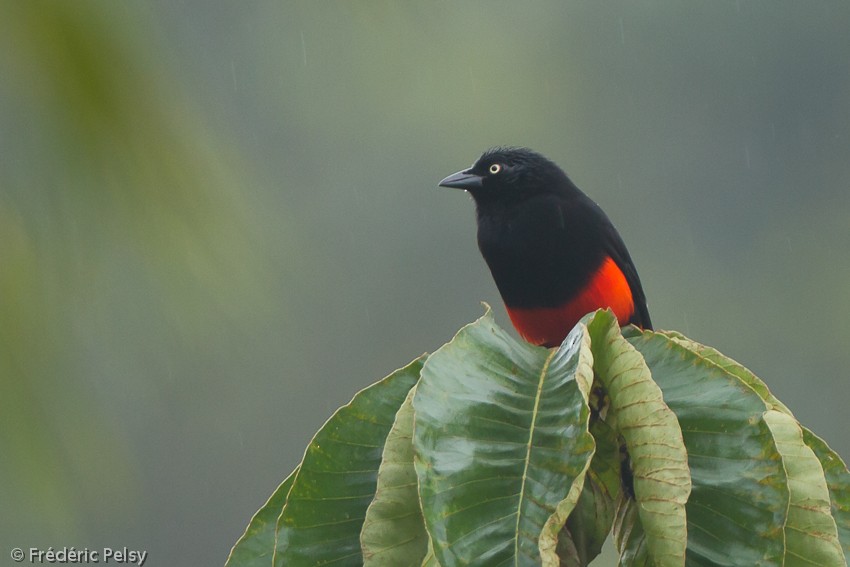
[{"x": 462, "y": 180}]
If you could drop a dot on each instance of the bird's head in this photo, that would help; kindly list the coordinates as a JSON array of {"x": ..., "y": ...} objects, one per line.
[{"x": 508, "y": 174}]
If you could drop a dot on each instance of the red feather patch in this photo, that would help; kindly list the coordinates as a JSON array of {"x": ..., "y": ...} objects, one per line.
[{"x": 548, "y": 326}]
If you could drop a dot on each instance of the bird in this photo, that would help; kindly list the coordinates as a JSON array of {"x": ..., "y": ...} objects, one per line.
[{"x": 553, "y": 253}]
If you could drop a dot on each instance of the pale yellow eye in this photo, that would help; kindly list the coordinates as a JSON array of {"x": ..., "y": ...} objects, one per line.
[{"x": 495, "y": 168}]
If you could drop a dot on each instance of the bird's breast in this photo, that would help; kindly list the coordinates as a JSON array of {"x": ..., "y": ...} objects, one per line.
[{"x": 538, "y": 259}]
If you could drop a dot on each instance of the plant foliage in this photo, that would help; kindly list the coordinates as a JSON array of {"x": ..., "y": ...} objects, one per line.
[{"x": 492, "y": 451}]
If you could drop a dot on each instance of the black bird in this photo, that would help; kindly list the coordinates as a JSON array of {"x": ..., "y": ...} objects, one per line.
[{"x": 553, "y": 253}]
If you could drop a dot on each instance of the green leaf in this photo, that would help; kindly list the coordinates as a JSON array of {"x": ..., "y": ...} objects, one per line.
[
  {"x": 740, "y": 496},
  {"x": 630, "y": 537},
  {"x": 256, "y": 546},
  {"x": 430, "y": 559},
  {"x": 323, "y": 515},
  {"x": 838, "y": 483},
  {"x": 583, "y": 376},
  {"x": 732, "y": 367},
  {"x": 500, "y": 437},
  {"x": 589, "y": 524},
  {"x": 653, "y": 438},
  {"x": 393, "y": 532},
  {"x": 811, "y": 538}
]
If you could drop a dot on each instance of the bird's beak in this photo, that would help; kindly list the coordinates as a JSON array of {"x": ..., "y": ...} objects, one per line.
[{"x": 462, "y": 180}]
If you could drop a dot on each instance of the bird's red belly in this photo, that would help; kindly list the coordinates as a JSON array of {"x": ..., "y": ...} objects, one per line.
[{"x": 548, "y": 326}]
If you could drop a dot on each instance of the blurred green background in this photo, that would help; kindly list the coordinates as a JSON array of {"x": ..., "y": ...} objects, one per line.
[{"x": 219, "y": 220}]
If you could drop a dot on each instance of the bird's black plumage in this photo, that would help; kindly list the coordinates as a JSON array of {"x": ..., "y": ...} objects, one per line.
[{"x": 545, "y": 241}]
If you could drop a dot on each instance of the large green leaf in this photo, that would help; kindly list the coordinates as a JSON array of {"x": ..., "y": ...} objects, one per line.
[
  {"x": 811, "y": 537},
  {"x": 590, "y": 522},
  {"x": 738, "y": 504},
  {"x": 500, "y": 435},
  {"x": 630, "y": 537},
  {"x": 256, "y": 546},
  {"x": 654, "y": 441},
  {"x": 837, "y": 477},
  {"x": 583, "y": 377},
  {"x": 733, "y": 367},
  {"x": 394, "y": 531},
  {"x": 838, "y": 483},
  {"x": 323, "y": 515},
  {"x": 430, "y": 559}
]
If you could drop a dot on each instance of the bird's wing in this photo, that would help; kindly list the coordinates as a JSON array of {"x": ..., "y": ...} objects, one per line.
[{"x": 616, "y": 248}]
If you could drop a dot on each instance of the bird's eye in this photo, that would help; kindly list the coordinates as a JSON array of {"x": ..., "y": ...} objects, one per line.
[{"x": 495, "y": 168}]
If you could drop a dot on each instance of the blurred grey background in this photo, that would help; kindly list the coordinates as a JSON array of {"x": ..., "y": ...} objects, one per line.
[{"x": 220, "y": 220}]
